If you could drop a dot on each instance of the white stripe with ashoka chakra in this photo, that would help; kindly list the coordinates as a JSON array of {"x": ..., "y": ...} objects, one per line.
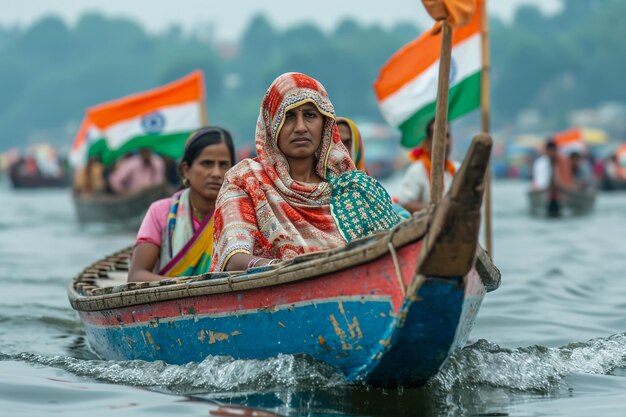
[
  {"x": 179, "y": 118},
  {"x": 422, "y": 90}
]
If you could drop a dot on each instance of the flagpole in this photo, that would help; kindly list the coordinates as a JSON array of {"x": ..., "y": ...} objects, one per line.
[
  {"x": 485, "y": 113},
  {"x": 204, "y": 118},
  {"x": 438, "y": 152}
]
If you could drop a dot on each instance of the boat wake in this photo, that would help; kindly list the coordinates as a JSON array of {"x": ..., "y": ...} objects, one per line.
[
  {"x": 213, "y": 375},
  {"x": 531, "y": 369},
  {"x": 534, "y": 368}
]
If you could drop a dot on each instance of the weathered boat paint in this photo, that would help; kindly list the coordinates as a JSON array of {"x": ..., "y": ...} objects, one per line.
[{"x": 358, "y": 321}]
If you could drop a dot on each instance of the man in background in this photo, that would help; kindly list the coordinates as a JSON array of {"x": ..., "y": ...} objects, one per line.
[{"x": 414, "y": 190}]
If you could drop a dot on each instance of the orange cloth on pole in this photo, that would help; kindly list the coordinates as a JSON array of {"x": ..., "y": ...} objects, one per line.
[
  {"x": 455, "y": 12},
  {"x": 422, "y": 154}
]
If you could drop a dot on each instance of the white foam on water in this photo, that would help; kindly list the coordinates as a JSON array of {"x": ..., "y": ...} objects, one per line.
[
  {"x": 534, "y": 368},
  {"x": 214, "y": 374}
]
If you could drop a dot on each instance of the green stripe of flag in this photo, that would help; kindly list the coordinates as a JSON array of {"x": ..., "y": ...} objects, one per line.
[
  {"x": 171, "y": 146},
  {"x": 464, "y": 97}
]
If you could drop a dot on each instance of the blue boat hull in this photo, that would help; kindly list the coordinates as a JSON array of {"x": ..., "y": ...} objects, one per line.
[{"x": 362, "y": 336}]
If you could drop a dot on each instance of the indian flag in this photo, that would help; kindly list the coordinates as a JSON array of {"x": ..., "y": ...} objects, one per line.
[
  {"x": 160, "y": 119},
  {"x": 80, "y": 147},
  {"x": 406, "y": 87},
  {"x": 571, "y": 140}
]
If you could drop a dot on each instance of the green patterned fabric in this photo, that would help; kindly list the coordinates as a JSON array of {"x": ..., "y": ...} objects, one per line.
[{"x": 360, "y": 205}]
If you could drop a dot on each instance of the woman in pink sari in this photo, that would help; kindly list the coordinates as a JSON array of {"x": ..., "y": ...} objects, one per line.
[
  {"x": 302, "y": 193},
  {"x": 176, "y": 236}
]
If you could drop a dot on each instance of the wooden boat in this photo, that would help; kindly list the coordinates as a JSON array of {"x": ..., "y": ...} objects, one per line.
[
  {"x": 614, "y": 171},
  {"x": 566, "y": 202},
  {"x": 612, "y": 184},
  {"x": 609, "y": 183},
  {"x": 114, "y": 208},
  {"x": 35, "y": 181},
  {"x": 387, "y": 309}
]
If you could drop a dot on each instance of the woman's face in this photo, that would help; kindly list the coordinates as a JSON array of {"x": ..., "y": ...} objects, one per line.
[
  {"x": 346, "y": 136},
  {"x": 206, "y": 173},
  {"x": 301, "y": 133}
]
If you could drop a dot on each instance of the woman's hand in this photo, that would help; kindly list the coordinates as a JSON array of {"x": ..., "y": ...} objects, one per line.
[
  {"x": 243, "y": 261},
  {"x": 145, "y": 257}
]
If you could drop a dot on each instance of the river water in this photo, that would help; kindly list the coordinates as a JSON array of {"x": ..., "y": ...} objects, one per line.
[{"x": 550, "y": 341}]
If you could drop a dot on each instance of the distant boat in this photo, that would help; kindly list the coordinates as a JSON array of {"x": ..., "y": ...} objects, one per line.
[
  {"x": 115, "y": 208},
  {"x": 19, "y": 179},
  {"x": 561, "y": 201},
  {"x": 614, "y": 170},
  {"x": 612, "y": 184},
  {"x": 388, "y": 309}
]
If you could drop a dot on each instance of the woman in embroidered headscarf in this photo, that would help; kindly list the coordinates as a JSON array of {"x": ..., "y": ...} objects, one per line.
[
  {"x": 351, "y": 139},
  {"x": 302, "y": 192},
  {"x": 176, "y": 236}
]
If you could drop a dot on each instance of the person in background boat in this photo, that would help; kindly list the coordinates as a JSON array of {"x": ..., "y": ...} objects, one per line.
[
  {"x": 47, "y": 161},
  {"x": 551, "y": 169},
  {"x": 245, "y": 151},
  {"x": 176, "y": 235},
  {"x": 614, "y": 170},
  {"x": 302, "y": 192},
  {"x": 89, "y": 179},
  {"x": 172, "y": 176},
  {"x": 28, "y": 167},
  {"x": 582, "y": 174},
  {"x": 414, "y": 190},
  {"x": 137, "y": 172}
]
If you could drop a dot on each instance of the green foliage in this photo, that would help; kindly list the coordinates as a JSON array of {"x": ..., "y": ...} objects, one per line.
[{"x": 558, "y": 63}]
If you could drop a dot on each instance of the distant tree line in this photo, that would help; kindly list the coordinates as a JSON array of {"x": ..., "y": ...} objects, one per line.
[
  {"x": 50, "y": 72},
  {"x": 555, "y": 64}
]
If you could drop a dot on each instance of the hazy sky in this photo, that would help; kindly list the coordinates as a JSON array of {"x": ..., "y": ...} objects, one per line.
[{"x": 229, "y": 17}]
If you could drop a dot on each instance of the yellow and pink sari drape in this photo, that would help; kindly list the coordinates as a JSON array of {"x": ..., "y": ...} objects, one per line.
[{"x": 185, "y": 251}]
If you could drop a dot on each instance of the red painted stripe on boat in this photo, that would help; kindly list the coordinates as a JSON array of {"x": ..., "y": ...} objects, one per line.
[{"x": 375, "y": 279}]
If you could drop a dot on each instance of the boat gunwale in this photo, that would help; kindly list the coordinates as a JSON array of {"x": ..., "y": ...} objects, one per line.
[
  {"x": 587, "y": 193},
  {"x": 323, "y": 263},
  {"x": 303, "y": 267}
]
